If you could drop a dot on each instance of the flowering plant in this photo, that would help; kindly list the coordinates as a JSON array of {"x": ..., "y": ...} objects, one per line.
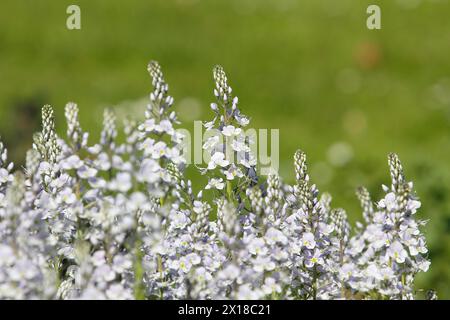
[{"x": 120, "y": 221}]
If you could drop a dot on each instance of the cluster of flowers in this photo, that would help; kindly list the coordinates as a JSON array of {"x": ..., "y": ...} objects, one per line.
[{"x": 118, "y": 220}]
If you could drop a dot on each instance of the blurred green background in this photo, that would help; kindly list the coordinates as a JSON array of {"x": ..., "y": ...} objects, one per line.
[{"x": 344, "y": 94}]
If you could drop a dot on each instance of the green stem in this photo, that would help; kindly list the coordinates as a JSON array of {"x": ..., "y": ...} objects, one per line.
[
  {"x": 160, "y": 269},
  {"x": 229, "y": 191},
  {"x": 139, "y": 291}
]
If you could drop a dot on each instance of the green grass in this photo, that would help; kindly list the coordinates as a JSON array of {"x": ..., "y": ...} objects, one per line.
[{"x": 310, "y": 68}]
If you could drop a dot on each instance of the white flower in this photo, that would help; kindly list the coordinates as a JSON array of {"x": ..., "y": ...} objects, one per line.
[
  {"x": 157, "y": 150},
  {"x": 372, "y": 271},
  {"x": 118, "y": 292},
  {"x": 274, "y": 235},
  {"x": 231, "y": 131},
  {"x": 178, "y": 137},
  {"x": 121, "y": 263},
  {"x": 68, "y": 196},
  {"x": 413, "y": 205},
  {"x": 95, "y": 149},
  {"x": 137, "y": 200},
  {"x": 122, "y": 182},
  {"x": 389, "y": 202},
  {"x": 72, "y": 162},
  {"x": 423, "y": 264},
  {"x": 202, "y": 275},
  {"x": 233, "y": 172},
  {"x": 211, "y": 142},
  {"x": 6, "y": 255},
  {"x": 314, "y": 258},
  {"x": 214, "y": 107},
  {"x": 209, "y": 125},
  {"x": 250, "y": 162},
  {"x": 217, "y": 159},
  {"x": 229, "y": 272},
  {"x": 165, "y": 126},
  {"x": 148, "y": 125},
  {"x": 257, "y": 246},
  {"x": 86, "y": 172},
  {"x": 4, "y": 176},
  {"x": 198, "y": 206},
  {"x": 146, "y": 145},
  {"x": 215, "y": 184},
  {"x": 97, "y": 183},
  {"x": 193, "y": 258},
  {"x": 386, "y": 274},
  {"x": 271, "y": 286},
  {"x": 246, "y": 292},
  {"x": 102, "y": 162},
  {"x": 308, "y": 240},
  {"x": 243, "y": 121},
  {"x": 397, "y": 252},
  {"x": 261, "y": 263},
  {"x": 179, "y": 219},
  {"x": 347, "y": 270},
  {"x": 184, "y": 264},
  {"x": 149, "y": 171},
  {"x": 239, "y": 145}
]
